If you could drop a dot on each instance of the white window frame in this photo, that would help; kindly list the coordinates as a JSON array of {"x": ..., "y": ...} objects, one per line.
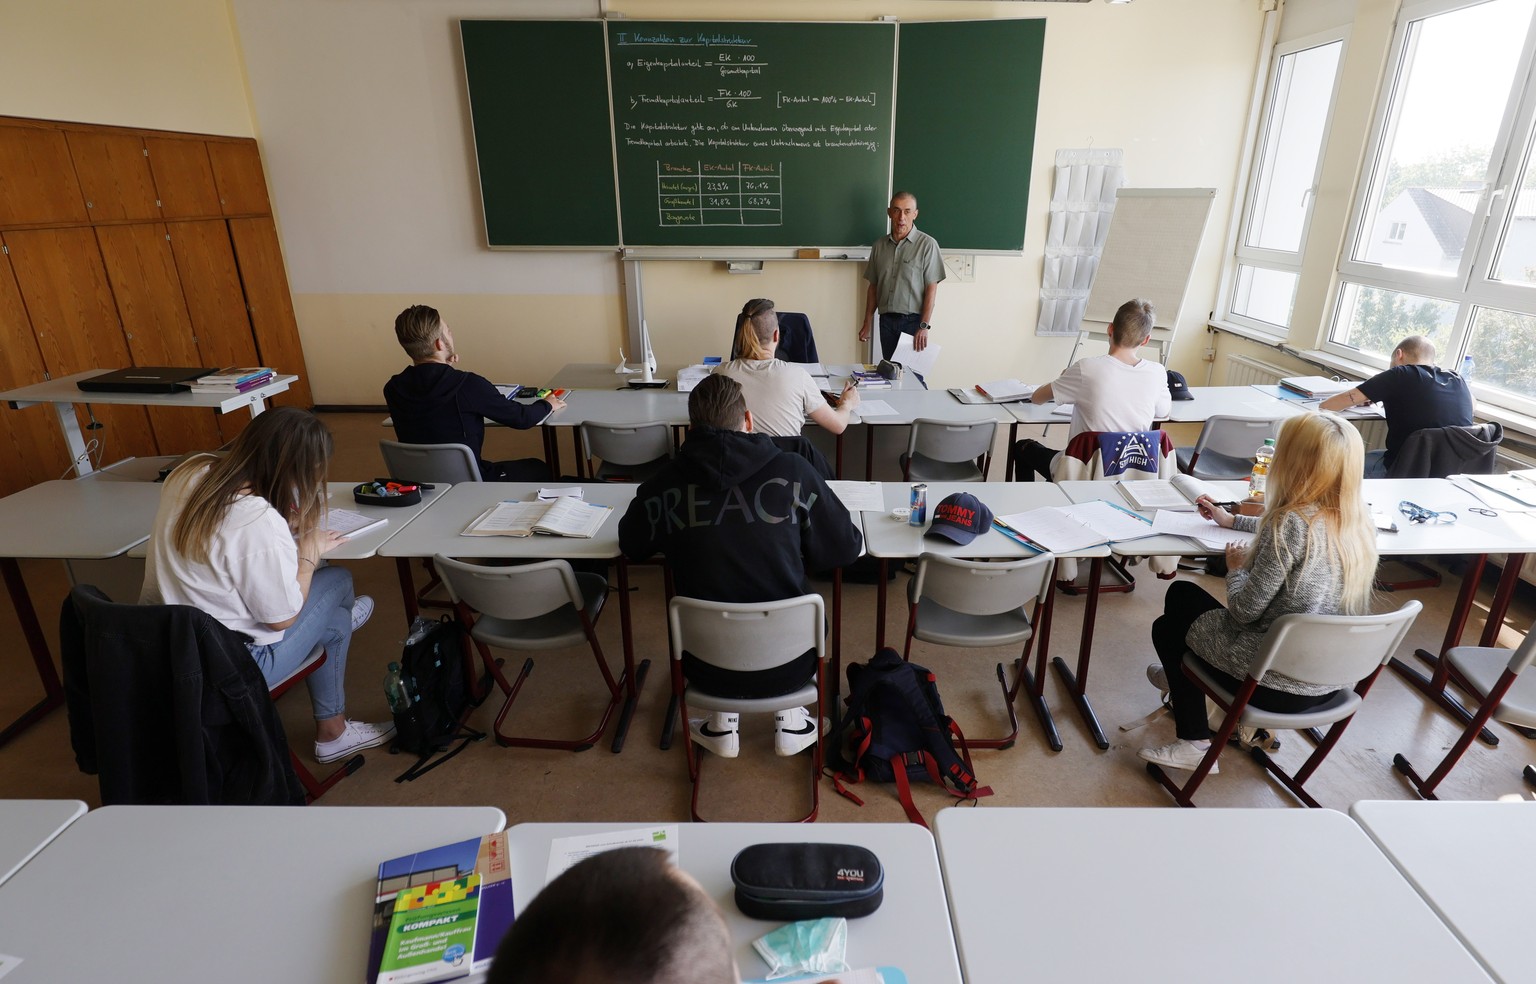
[{"x": 1238, "y": 253}]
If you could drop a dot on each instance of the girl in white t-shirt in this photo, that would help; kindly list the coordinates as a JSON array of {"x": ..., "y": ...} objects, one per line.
[{"x": 240, "y": 537}]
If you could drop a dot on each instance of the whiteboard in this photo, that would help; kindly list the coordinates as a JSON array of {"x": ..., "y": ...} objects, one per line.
[{"x": 1154, "y": 238}]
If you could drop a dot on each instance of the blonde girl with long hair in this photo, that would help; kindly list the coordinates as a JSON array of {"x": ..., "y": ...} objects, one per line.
[
  {"x": 1314, "y": 552},
  {"x": 240, "y": 537}
]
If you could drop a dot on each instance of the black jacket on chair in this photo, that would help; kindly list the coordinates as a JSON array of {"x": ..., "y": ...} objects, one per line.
[
  {"x": 166, "y": 705},
  {"x": 1435, "y": 452}
]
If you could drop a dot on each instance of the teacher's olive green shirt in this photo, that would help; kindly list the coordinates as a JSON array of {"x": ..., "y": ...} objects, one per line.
[{"x": 900, "y": 271}]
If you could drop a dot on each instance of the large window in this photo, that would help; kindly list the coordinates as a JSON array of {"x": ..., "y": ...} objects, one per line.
[
  {"x": 1443, "y": 239},
  {"x": 1280, "y": 192}
]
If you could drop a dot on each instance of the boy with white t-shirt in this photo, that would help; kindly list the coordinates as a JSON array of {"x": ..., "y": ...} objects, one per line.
[{"x": 1115, "y": 392}]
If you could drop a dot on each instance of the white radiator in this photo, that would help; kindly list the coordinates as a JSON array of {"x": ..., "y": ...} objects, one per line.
[{"x": 1244, "y": 371}]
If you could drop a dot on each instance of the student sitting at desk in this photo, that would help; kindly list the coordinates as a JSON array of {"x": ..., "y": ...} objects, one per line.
[
  {"x": 780, "y": 395},
  {"x": 1315, "y": 553},
  {"x": 1119, "y": 391},
  {"x": 626, "y": 916},
  {"x": 739, "y": 520},
  {"x": 431, "y": 402},
  {"x": 240, "y": 537}
]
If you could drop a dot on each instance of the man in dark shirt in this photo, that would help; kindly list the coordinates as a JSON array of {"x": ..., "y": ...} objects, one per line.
[
  {"x": 740, "y": 521},
  {"x": 431, "y": 402},
  {"x": 1415, "y": 394}
]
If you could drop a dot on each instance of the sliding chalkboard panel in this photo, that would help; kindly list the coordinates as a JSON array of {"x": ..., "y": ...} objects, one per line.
[
  {"x": 538, "y": 96},
  {"x": 966, "y": 96},
  {"x": 751, "y": 134}
]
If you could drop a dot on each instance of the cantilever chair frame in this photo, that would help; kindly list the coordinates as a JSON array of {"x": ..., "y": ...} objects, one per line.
[
  {"x": 929, "y": 436},
  {"x": 314, "y": 786}
]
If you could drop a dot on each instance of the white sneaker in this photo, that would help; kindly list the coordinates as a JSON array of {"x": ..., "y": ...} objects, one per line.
[
  {"x": 1179, "y": 754},
  {"x": 720, "y": 733},
  {"x": 794, "y": 731},
  {"x": 1157, "y": 675},
  {"x": 362, "y": 610},
  {"x": 357, "y": 736}
]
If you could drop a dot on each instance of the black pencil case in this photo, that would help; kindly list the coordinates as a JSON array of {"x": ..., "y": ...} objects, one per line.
[
  {"x": 366, "y": 494},
  {"x": 807, "y": 881}
]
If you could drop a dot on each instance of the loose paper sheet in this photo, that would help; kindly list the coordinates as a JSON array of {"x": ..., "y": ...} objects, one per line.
[
  {"x": 919, "y": 362},
  {"x": 874, "y": 408},
  {"x": 564, "y": 852},
  {"x": 859, "y": 496},
  {"x": 1202, "y": 531}
]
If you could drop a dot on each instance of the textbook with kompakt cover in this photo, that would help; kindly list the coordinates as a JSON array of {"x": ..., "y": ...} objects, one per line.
[{"x": 438, "y": 915}]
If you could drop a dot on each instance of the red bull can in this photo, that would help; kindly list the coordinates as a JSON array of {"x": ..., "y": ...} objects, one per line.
[{"x": 919, "y": 515}]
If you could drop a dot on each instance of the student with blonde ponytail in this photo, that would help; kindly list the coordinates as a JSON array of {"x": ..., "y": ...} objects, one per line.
[
  {"x": 1315, "y": 552},
  {"x": 781, "y": 396}
]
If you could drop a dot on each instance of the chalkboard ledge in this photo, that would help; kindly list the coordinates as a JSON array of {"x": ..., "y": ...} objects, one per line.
[{"x": 859, "y": 253}]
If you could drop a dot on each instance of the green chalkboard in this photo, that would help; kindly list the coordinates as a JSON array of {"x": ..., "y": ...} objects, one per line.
[
  {"x": 538, "y": 99},
  {"x": 966, "y": 96},
  {"x": 740, "y": 134}
]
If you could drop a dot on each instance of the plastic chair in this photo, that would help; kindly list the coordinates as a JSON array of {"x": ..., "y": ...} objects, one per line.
[
  {"x": 1509, "y": 696},
  {"x": 1224, "y": 450},
  {"x": 629, "y": 452},
  {"x": 446, "y": 463},
  {"x": 971, "y": 604},
  {"x": 948, "y": 451},
  {"x": 533, "y": 607},
  {"x": 797, "y": 343},
  {"x": 1125, "y": 456},
  {"x": 1347, "y": 651},
  {"x": 1437, "y": 452},
  {"x": 748, "y": 636}
]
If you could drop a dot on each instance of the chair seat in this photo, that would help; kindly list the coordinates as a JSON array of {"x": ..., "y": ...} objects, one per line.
[
  {"x": 926, "y": 469},
  {"x": 1214, "y": 466},
  {"x": 1482, "y": 666},
  {"x": 1338, "y": 707},
  {"x": 947, "y": 627},
  {"x": 299, "y": 672},
  {"x": 607, "y": 472},
  {"x": 553, "y": 630},
  {"x": 697, "y": 699}
]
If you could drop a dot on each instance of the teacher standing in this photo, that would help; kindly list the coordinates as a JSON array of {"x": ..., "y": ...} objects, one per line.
[{"x": 903, "y": 273}]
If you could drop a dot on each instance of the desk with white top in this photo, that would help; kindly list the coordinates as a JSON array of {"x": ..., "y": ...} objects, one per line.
[
  {"x": 63, "y": 395},
  {"x": 909, "y": 931},
  {"x": 65, "y": 520},
  {"x": 227, "y": 893},
  {"x": 1471, "y": 863},
  {"x": 28, "y": 826},
  {"x": 1184, "y": 895}
]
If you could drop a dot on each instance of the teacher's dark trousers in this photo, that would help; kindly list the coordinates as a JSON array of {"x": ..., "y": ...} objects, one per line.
[{"x": 892, "y": 327}]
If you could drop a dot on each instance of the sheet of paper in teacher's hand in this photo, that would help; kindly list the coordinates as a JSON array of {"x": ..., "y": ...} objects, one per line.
[{"x": 919, "y": 362}]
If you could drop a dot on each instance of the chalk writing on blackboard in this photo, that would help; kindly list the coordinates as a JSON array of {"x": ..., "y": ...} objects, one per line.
[{"x": 713, "y": 193}]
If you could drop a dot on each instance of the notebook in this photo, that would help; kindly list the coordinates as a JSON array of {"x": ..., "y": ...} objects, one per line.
[{"x": 144, "y": 379}]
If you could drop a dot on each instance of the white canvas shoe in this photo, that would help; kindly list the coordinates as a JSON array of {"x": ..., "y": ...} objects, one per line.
[
  {"x": 355, "y": 737},
  {"x": 362, "y": 610},
  {"x": 1179, "y": 754}
]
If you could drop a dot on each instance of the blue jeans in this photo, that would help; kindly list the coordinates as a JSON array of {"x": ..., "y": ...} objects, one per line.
[
  {"x": 325, "y": 619},
  {"x": 1375, "y": 467},
  {"x": 892, "y": 327}
]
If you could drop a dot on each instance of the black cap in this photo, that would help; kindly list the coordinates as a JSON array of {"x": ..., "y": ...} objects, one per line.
[{"x": 1177, "y": 387}]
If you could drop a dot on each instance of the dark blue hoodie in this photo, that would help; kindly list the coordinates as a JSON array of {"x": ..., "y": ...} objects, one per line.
[{"x": 434, "y": 403}]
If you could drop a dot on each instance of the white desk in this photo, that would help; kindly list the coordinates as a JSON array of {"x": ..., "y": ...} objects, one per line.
[
  {"x": 62, "y": 394},
  {"x": 1184, "y": 895},
  {"x": 909, "y": 931},
  {"x": 27, "y": 826},
  {"x": 224, "y": 893},
  {"x": 67, "y": 521},
  {"x": 1471, "y": 862}
]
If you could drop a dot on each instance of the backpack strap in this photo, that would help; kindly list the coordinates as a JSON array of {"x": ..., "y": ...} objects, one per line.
[
  {"x": 857, "y": 774},
  {"x": 904, "y": 787}
]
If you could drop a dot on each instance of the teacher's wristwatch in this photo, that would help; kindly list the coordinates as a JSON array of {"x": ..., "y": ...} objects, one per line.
[{"x": 923, "y": 326}]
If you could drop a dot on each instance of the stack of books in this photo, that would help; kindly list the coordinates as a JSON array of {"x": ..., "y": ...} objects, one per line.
[
  {"x": 868, "y": 378},
  {"x": 233, "y": 380}
]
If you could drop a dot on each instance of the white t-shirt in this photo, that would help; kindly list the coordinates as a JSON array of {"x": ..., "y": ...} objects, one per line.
[
  {"x": 1108, "y": 395},
  {"x": 780, "y": 395},
  {"x": 251, "y": 579}
]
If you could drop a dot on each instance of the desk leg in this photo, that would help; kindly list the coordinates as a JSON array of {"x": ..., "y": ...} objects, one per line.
[
  {"x": 838, "y": 471},
  {"x": 69, "y": 426},
  {"x": 634, "y": 678},
  {"x": 1035, "y": 681},
  {"x": 1434, "y": 687},
  {"x": 1509, "y": 577},
  {"x": 880, "y": 606},
  {"x": 834, "y": 689},
  {"x": 551, "y": 450},
  {"x": 407, "y": 589},
  {"x": 1078, "y": 685},
  {"x": 53, "y": 690},
  {"x": 1013, "y": 438},
  {"x": 869, "y": 453}
]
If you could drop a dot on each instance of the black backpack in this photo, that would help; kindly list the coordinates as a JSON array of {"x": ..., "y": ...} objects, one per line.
[
  {"x": 435, "y": 658},
  {"x": 895, "y": 729}
]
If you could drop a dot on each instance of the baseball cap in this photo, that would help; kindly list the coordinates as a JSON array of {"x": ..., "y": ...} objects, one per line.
[
  {"x": 960, "y": 517},
  {"x": 1177, "y": 387}
]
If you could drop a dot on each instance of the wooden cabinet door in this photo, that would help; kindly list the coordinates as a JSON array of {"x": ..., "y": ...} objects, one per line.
[
  {"x": 156, "y": 325},
  {"x": 183, "y": 177},
  {"x": 237, "y": 172},
  {"x": 30, "y": 441},
  {"x": 114, "y": 176},
  {"x": 210, "y": 284},
  {"x": 271, "y": 306},
  {"x": 37, "y": 178},
  {"x": 75, "y": 322}
]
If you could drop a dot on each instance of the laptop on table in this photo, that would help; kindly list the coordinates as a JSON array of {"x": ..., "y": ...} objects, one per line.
[{"x": 144, "y": 379}]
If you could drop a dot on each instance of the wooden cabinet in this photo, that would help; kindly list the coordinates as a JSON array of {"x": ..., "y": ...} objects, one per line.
[
  {"x": 210, "y": 283},
  {"x": 183, "y": 177},
  {"x": 114, "y": 176},
  {"x": 30, "y": 441},
  {"x": 237, "y": 173},
  {"x": 271, "y": 306},
  {"x": 37, "y": 178}
]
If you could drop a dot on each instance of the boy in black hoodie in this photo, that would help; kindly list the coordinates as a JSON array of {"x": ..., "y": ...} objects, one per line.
[
  {"x": 431, "y": 402},
  {"x": 740, "y": 521}
]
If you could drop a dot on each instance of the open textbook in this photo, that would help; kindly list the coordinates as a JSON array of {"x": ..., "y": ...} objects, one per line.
[
  {"x": 1064, "y": 529},
  {"x": 1178, "y": 493},
  {"x": 564, "y": 516}
]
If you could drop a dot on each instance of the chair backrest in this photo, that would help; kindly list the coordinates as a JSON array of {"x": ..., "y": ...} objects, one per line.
[
  {"x": 975, "y": 587},
  {"x": 747, "y": 636},
  {"x": 797, "y": 343},
  {"x": 449, "y": 464},
  {"x": 1435, "y": 452},
  {"x": 1124, "y": 455},
  {"x": 1235, "y": 436},
  {"x": 627, "y": 444},
  {"x": 512, "y": 593},
  {"x": 1332, "y": 650},
  {"x": 951, "y": 440}
]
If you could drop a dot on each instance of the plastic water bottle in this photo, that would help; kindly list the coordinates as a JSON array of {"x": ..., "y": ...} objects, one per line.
[
  {"x": 1262, "y": 457},
  {"x": 399, "y": 688},
  {"x": 1467, "y": 365}
]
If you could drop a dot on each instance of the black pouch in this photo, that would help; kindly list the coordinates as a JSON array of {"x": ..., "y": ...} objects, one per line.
[
  {"x": 365, "y": 495},
  {"x": 807, "y": 881}
]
